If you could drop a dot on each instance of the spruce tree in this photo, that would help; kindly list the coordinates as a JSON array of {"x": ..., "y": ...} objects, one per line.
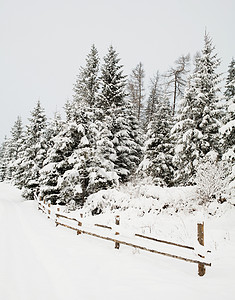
[
  {"x": 158, "y": 148},
  {"x": 230, "y": 85},
  {"x": 113, "y": 82},
  {"x": 3, "y": 160},
  {"x": 88, "y": 165},
  {"x": 48, "y": 172},
  {"x": 14, "y": 145},
  {"x": 197, "y": 130},
  {"x": 228, "y": 129},
  {"x": 63, "y": 161},
  {"x": 117, "y": 115},
  {"x": 32, "y": 154},
  {"x": 87, "y": 85}
]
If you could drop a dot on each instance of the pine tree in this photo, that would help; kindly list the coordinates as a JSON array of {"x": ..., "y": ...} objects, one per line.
[
  {"x": 228, "y": 129},
  {"x": 7, "y": 160},
  {"x": 117, "y": 115},
  {"x": 113, "y": 82},
  {"x": 197, "y": 130},
  {"x": 61, "y": 161},
  {"x": 88, "y": 166},
  {"x": 16, "y": 136},
  {"x": 14, "y": 144},
  {"x": 230, "y": 86},
  {"x": 158, "y": 150},
  {"x": 31, "y": 154},
  {"x": 3, "y": 160},
  {"x": 87, "y": 85},
  {"x": 19, "y": 168},
  {"x": 48, "y": 172}
]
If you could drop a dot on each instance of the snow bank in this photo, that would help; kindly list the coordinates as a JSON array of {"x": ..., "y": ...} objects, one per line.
[{"x": 149, "y": 199}]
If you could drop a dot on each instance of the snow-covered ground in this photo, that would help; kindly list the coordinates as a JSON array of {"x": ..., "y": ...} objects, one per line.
[{"x": 40, "y": 261}]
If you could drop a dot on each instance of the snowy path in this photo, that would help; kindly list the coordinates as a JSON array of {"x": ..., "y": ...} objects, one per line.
[{"x": 41, "y": 262}]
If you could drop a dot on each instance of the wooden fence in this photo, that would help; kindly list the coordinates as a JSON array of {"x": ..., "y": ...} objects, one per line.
[{"x": 58, "y": 218}]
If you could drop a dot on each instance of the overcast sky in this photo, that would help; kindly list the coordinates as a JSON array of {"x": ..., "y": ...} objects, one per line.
[{"x": 44, "y": 42}]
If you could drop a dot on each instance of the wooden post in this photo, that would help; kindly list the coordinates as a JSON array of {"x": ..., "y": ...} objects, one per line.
[
  {"x": 117, "y": 222},
  {"x": 200, "y": 238},
  {"x": 49, "y": 206},
  {"x": 39, "y": 199},
  {"x": 79, "y": 231},
  {"x": 56, "y": 217}
]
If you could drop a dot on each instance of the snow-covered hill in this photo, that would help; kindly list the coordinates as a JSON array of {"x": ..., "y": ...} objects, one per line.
[{"x": 41, "y": 261}]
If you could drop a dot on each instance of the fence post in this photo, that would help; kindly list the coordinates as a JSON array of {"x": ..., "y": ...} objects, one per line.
[
  {"x": 200, "y": 238},
  {"x": 117, "y": 222},
  {"x": 49, "y": 210},
  {"x": 39, "y": 199},
  {"x": 79, "y": 231}
]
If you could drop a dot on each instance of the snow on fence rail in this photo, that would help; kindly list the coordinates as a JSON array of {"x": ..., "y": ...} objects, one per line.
[{"x": 46, "y": 208}]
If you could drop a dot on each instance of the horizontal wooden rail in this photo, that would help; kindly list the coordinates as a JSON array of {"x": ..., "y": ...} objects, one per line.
[
  {"x": 146, "y": 249},
  {"x": 72, "y": 219},
  {"x": 165, "y": 242},
  {"x": 104, "y": 226},
  {"x": 67, "y": 226}
]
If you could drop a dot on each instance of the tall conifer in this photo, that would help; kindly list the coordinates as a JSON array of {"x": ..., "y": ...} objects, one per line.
[{"x": 197, "y": 129}]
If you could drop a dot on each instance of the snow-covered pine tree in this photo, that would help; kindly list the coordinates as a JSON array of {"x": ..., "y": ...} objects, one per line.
[
  {"x": 3, "y": 160},
  {"x": 101, "y": 167},
  {"x": 18, "y": 173},
  {"x": 6, "y": 160},
  {"x": 89, "y": 165},
  {"x": 87, "y": 85},
  {"x": 197, "y": 130},
  {"x": 13, "y": 147},
  {"x": 32, "y": 155},
  {"x": 123, "y": 143},
  {"x": 230, "y": 86},
  {"x": 136, "y": 138},
  {"x": 48, "y": 173},
  {"x": 158, "y": 150},
  {"x": 228, "y": 129},
  {"x": 117, "y": 114},
  {"x": 59, "y": 162}
]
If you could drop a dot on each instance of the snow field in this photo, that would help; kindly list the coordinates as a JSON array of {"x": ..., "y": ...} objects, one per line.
[{"x": 40, "y": 261}]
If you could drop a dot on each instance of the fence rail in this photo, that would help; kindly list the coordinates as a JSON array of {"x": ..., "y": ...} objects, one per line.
[{"x": 46, "y": 208}]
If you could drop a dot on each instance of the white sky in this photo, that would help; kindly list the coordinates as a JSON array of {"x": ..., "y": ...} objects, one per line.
[{"x": 43, "y": 43}]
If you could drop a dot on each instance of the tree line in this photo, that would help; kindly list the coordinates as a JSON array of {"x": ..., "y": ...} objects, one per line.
[{"x": 110, "y": 136}]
